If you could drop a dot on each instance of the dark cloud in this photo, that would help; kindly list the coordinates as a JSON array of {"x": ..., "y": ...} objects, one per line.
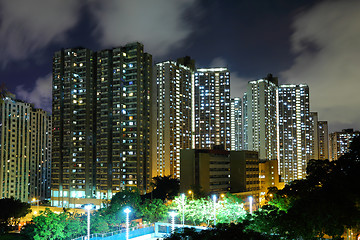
[
  {"x": 40, "y": 95},
  {"x": 27, "y": 26},
  {"x": 326, "y": 40},
  {"x": 159, "y": 24}
]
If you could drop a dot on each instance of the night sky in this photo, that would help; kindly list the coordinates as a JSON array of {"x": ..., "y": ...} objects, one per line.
[{"x": 300, "y": 41}]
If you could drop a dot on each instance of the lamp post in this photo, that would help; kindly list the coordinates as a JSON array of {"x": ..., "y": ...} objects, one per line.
[
  {"x": 192, "y": 194},
  {"x": 127, "y": 211},
  {"x": 214, "y": 199},
  {"x": 250, "y": 203},
  {"x": 183, "y": 209},
  {"x": 173, "y": 215},
  {"x": 37, "y": 204},
  {"x": 88, "y": 207}
]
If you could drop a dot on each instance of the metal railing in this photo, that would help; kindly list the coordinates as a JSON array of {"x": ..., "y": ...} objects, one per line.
[
  {"x": 97, "y": 236},
  {"x": 157, "y": 229}
]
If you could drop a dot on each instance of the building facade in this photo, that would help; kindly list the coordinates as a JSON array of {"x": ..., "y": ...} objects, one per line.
[
  {"x": 236, "y": 124},
  {"x": 260, "y": 119},
  {"x": 294, "y": 131},
  {"x": 173, "y": 116},
  {"x": 25, "y": 141},
  {"x": 314, "y": 121},
  {"x": 212, "y": 108},
  {"x": 323, "y": 139},
  {"x": 269, "y": 178},
  {"x": 339, "y": 142},
  {"x": 219, "y": 171},
  {"x": 101, "y": 112}
]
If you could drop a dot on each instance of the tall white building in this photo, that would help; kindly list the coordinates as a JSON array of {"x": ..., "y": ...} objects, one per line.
[
  {"x": 212, "y": 108},
  {"x": 236, "y": 124},
  {"x": 260, "y": 104},
  {"x": 25, "y": 151},
  {"x": 173, "y": 116},
  {"x": 294, "y": 131}
]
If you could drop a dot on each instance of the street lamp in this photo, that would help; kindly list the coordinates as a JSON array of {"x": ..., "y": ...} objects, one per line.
[
  {"x": 88, "y": 207},
  {"x": 192, "y": 194},
  {"x": 127, "y": 211},
  {"x": 250, "y": 203},
  {"x": 173, "y": 215},
  {"x": 37, "y": 205},
  {"x": 214, "y": 199},
  {"x": 183, "y": 209}
]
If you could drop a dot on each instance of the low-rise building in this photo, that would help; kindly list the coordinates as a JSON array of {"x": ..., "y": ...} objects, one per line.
[
  {"x": 269, "y": 177},
  {"x": 219, "y": 171}
]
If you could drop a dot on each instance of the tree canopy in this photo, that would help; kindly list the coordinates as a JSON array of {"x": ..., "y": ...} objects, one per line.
[
  {"x": 11, "y": 212},
  {"x": 327, "y": 202}
]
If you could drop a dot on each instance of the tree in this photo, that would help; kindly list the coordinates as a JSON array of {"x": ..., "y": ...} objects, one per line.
[
  {"x": 154, "y": 210},
  {"x": 165, "y": 188},
  {"x": 230, "y": 209},
  {"x": 49, "y": 225},
  {"x": 11, "y": 212},
  {"x": 326, "y": 202},
  {"x": 125, "y": 198},
  {"x": 99, "y": 222},
  {"x": 220, "y": 232},
  {"x": 201, "y": 211},
  {"x": 75, "y": 225},
  {"x": 114, "y": 214}
]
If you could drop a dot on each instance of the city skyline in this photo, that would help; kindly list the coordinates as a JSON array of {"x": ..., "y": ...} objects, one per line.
[{"x": 252, "y": 39}]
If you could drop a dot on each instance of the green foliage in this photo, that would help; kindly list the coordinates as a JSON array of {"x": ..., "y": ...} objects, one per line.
[
  {"x": 201, "y": 211},
  {"x": 75, "y": 225},
  {"x": 327, "y": 202},
  {"x": 220, "y": 232},
  {"x": 266, "y": 220},
  {"x": 53, "y": 226},
  {"x": 154, "y": 210},
  {"x": 49, "y": 225},
  {"x": 99, "y": 222},
  {"x": 230, "y": 209},
  {"x": 121, "y": 200}
]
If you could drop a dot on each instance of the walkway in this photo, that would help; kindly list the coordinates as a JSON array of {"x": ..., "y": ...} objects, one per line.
[{"x": 159, "y": 230}]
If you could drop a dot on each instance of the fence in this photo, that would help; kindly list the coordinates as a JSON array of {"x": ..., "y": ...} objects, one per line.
[
  {"x": 157, "y": 230},
  {"x": 120, "y": 234}
]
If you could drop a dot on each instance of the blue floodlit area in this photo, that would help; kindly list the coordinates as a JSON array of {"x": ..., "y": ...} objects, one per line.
[{"x": 158, "y": 230}]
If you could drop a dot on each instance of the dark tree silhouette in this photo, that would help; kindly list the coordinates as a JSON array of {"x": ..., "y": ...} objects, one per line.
[{"x": 165, "y": 188}]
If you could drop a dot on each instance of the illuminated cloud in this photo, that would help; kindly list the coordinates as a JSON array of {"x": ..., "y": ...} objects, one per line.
[
  {"x": 40, "y": 95},
  {"x": 238, "y": 84},
  {"x": 27, "y": 26},
  {"x": 161, "y": 25},
  {"x": 326, "y": 41}
]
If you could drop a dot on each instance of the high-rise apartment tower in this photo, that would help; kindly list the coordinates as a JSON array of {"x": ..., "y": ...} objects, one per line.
[
  {"x": 294, "y": 131},
  {"x": 25, "y": 151},
  {"x": 339, "y": 142},
  {"x": 173, "y": 116},
  {"x": 101, "y": 114},
  {"x": 236, "y": 125},
  {"x": 212, "y": 108},
  {"x": 260, "y": 118}
]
